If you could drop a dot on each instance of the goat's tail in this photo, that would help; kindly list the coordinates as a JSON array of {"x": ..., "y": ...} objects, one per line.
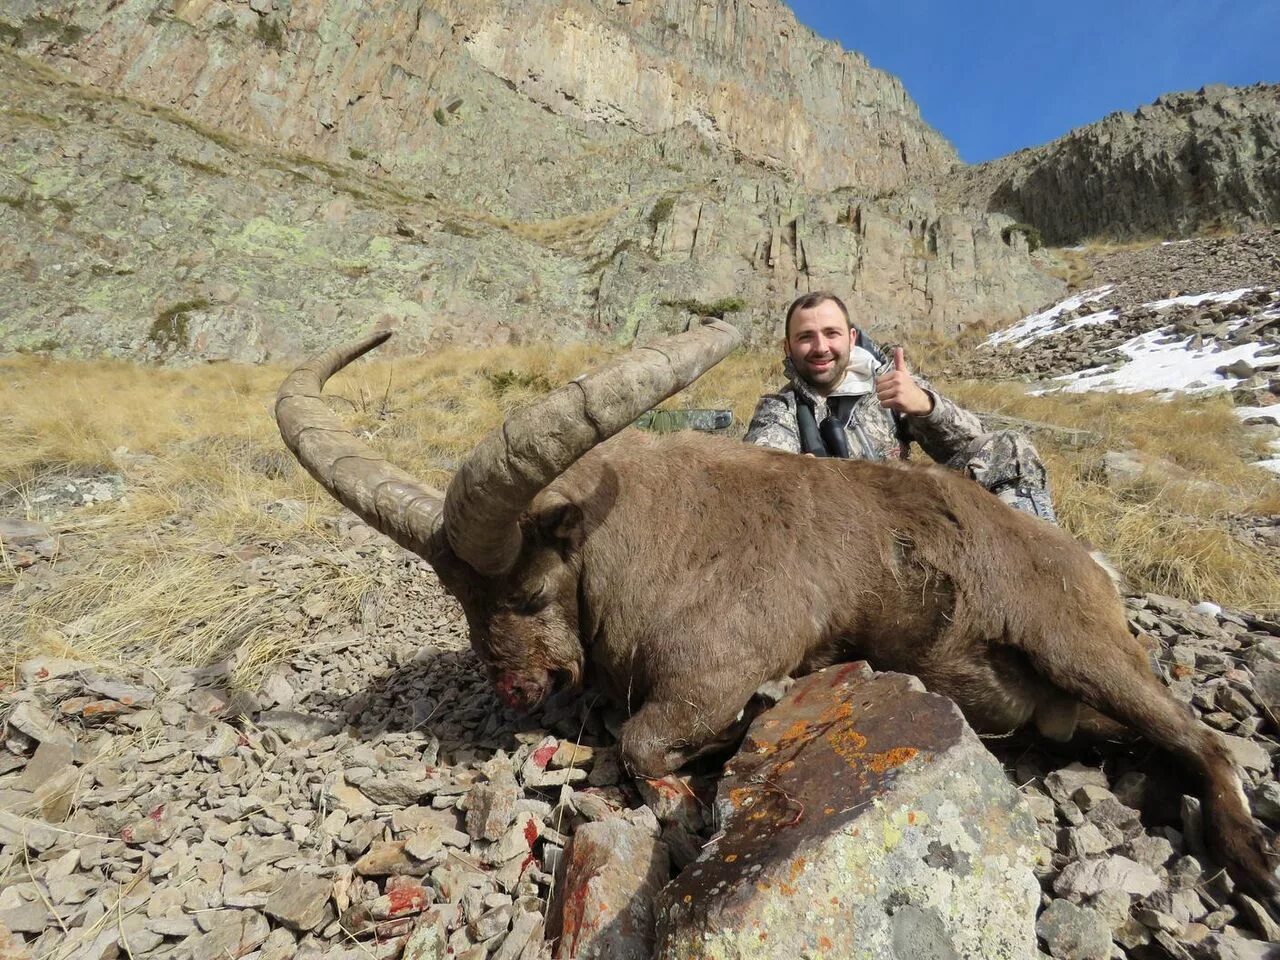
[
  {"x": 1102, "y": 560},
  {"x": 1111, "y": 674},
  {"x": 1109, "y": 568}
]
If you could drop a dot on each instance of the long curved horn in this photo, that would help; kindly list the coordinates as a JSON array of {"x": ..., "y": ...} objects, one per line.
[
  {"x": 507, "y": 469},
  {"x": 386, "y": 498}
]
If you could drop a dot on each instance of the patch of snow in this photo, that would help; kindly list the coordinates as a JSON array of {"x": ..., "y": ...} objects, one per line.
[
  {"x": 1046, "y": 322},
  {"x": 1163, "y": 361},
  {"x": 1170, "y": 243},
  {"x": 1195, "y": 299},
  {"x": 1273, "y": 465},
  {"x": 1270, "y": 414}
]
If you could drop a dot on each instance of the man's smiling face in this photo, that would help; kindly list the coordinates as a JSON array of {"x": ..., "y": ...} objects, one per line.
[{"x": 818, "y": 342}]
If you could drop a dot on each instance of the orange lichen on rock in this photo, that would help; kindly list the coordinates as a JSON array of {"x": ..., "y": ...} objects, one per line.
[
  {"x": 836, "y": 712},
  {"x": 797, "y": 731},
  {"x": 742, "y": 797},
  {"x": 848, "y": 744},
  {"x": 887, "y": 760}
]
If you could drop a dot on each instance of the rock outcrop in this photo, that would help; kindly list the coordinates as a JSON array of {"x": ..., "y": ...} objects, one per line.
[
  {"x": 1187, "y": 162},
  {"x": 414, "y": 84},
  {"x": 136, "y": 231},
  {"x": 845, "y": 832},
  {"x": 1214, "y": 295}
]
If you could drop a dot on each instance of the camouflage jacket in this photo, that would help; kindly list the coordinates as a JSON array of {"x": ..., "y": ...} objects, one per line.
[{"x": 873, "y": 432}]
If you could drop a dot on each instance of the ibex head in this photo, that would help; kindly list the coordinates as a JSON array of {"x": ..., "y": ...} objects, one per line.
[{"x": 510, "y": 557}]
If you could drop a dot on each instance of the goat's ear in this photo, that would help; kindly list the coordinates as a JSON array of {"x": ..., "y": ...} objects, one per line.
[{"x": 560, "y": 521}]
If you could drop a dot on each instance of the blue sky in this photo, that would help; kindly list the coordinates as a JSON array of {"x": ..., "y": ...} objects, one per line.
[{"x": 997, "y": 75}]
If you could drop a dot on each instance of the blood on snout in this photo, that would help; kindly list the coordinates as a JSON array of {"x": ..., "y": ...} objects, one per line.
[{"x": 520, "y": 692}]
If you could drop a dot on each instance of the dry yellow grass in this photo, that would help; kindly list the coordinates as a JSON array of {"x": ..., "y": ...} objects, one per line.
[
  {"x": 1071, "y": 265},
  {"x": 577, "y": 228},
  {"x": 1074, "y": 264},
  {"x": 153, "y": 577},
  {"x": 1169, "y": 530}
]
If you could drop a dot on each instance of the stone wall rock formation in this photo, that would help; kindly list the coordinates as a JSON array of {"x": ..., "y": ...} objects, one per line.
[
  {"x": 329, "y": 76},
  {"x": 577, "y": 169},
  {"x": 262, "y": 178},
  {"x": 1185, "y": 163}
]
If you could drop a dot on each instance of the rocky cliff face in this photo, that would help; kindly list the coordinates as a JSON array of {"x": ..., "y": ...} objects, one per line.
[
  {"x": 133, "y": 231},
  {"x": 252, "y": 180},
  {"x": 397, "y": 82},
  {"x": 1187, "y": 162}
]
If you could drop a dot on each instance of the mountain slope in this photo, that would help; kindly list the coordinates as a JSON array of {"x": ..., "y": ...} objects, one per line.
[
  {"x": 501, "y": 93},
  {"x": 142, "y": 231},
  {"x": 1186, "y": 163}
]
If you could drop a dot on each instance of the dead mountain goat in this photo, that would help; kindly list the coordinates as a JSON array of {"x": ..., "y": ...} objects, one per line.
[{"x": 680, "y": 573}]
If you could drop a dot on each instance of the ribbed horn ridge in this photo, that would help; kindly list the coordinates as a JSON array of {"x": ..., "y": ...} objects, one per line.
[
  {"x": 507, "y": 469},
  {"x": 386, "y": 498}
]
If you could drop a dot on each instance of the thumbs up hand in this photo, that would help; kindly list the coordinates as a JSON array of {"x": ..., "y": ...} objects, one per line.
[{"x": 897, "y": 390}]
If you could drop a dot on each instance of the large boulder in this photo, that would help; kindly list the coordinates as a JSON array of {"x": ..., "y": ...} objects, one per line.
[{"x": 861, "y": 818}]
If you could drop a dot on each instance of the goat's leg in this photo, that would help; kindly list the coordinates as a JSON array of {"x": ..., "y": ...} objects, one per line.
[
  {"x": 1096, "y": 726},
  {"x": 1111, "y": 674},
  {"x": 667, "y": 733},
  {"x": 995, "y": 689}
]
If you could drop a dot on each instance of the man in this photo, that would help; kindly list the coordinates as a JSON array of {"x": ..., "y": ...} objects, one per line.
[{"x": 846, "y": 399}]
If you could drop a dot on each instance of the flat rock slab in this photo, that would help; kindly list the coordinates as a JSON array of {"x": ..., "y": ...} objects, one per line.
[
  {"x": 861, "y": 818},
  {"x": 24, "y": 542}
]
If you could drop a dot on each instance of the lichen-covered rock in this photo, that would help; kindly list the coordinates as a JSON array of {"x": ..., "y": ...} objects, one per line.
[
  {"x": 1074, "y": 933},
  {"x": 862, "y": 817}
]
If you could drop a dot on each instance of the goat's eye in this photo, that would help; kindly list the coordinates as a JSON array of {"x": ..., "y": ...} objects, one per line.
[{"x": 534, "y": 602}]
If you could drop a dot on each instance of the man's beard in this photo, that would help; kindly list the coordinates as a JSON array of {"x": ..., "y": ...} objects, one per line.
[{"x": 828, "y": 377}]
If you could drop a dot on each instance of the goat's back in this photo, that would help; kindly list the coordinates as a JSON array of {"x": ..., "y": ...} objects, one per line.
[{"x": 687, "y": 525}]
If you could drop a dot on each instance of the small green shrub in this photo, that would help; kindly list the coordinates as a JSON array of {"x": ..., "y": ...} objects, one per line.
[
  {"x": 661, "y": 212},
  {"x": 457, "y": 229},
  {"x": 354, "y": 271},
  {"x": 439, "y": 114},
  {"x": 717, "y": 308},
  {"x": 169, "y": 329},
  {"x": 198, "y": 165},
  {"x": 503, "y": 380},
  {"x": 52, "y": 123},
  {"x": 1034, "y": 240},
  {"x": 47, "y": 345},
  {"x": 47, "y": 26},
  {"x": 596, "y": 266},
  {"x": 355, "y": 153},
  {"x": 270, "y": 32}
]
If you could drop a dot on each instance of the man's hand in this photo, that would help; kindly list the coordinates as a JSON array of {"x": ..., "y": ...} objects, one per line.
[{"x": 897, "y": 390}]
